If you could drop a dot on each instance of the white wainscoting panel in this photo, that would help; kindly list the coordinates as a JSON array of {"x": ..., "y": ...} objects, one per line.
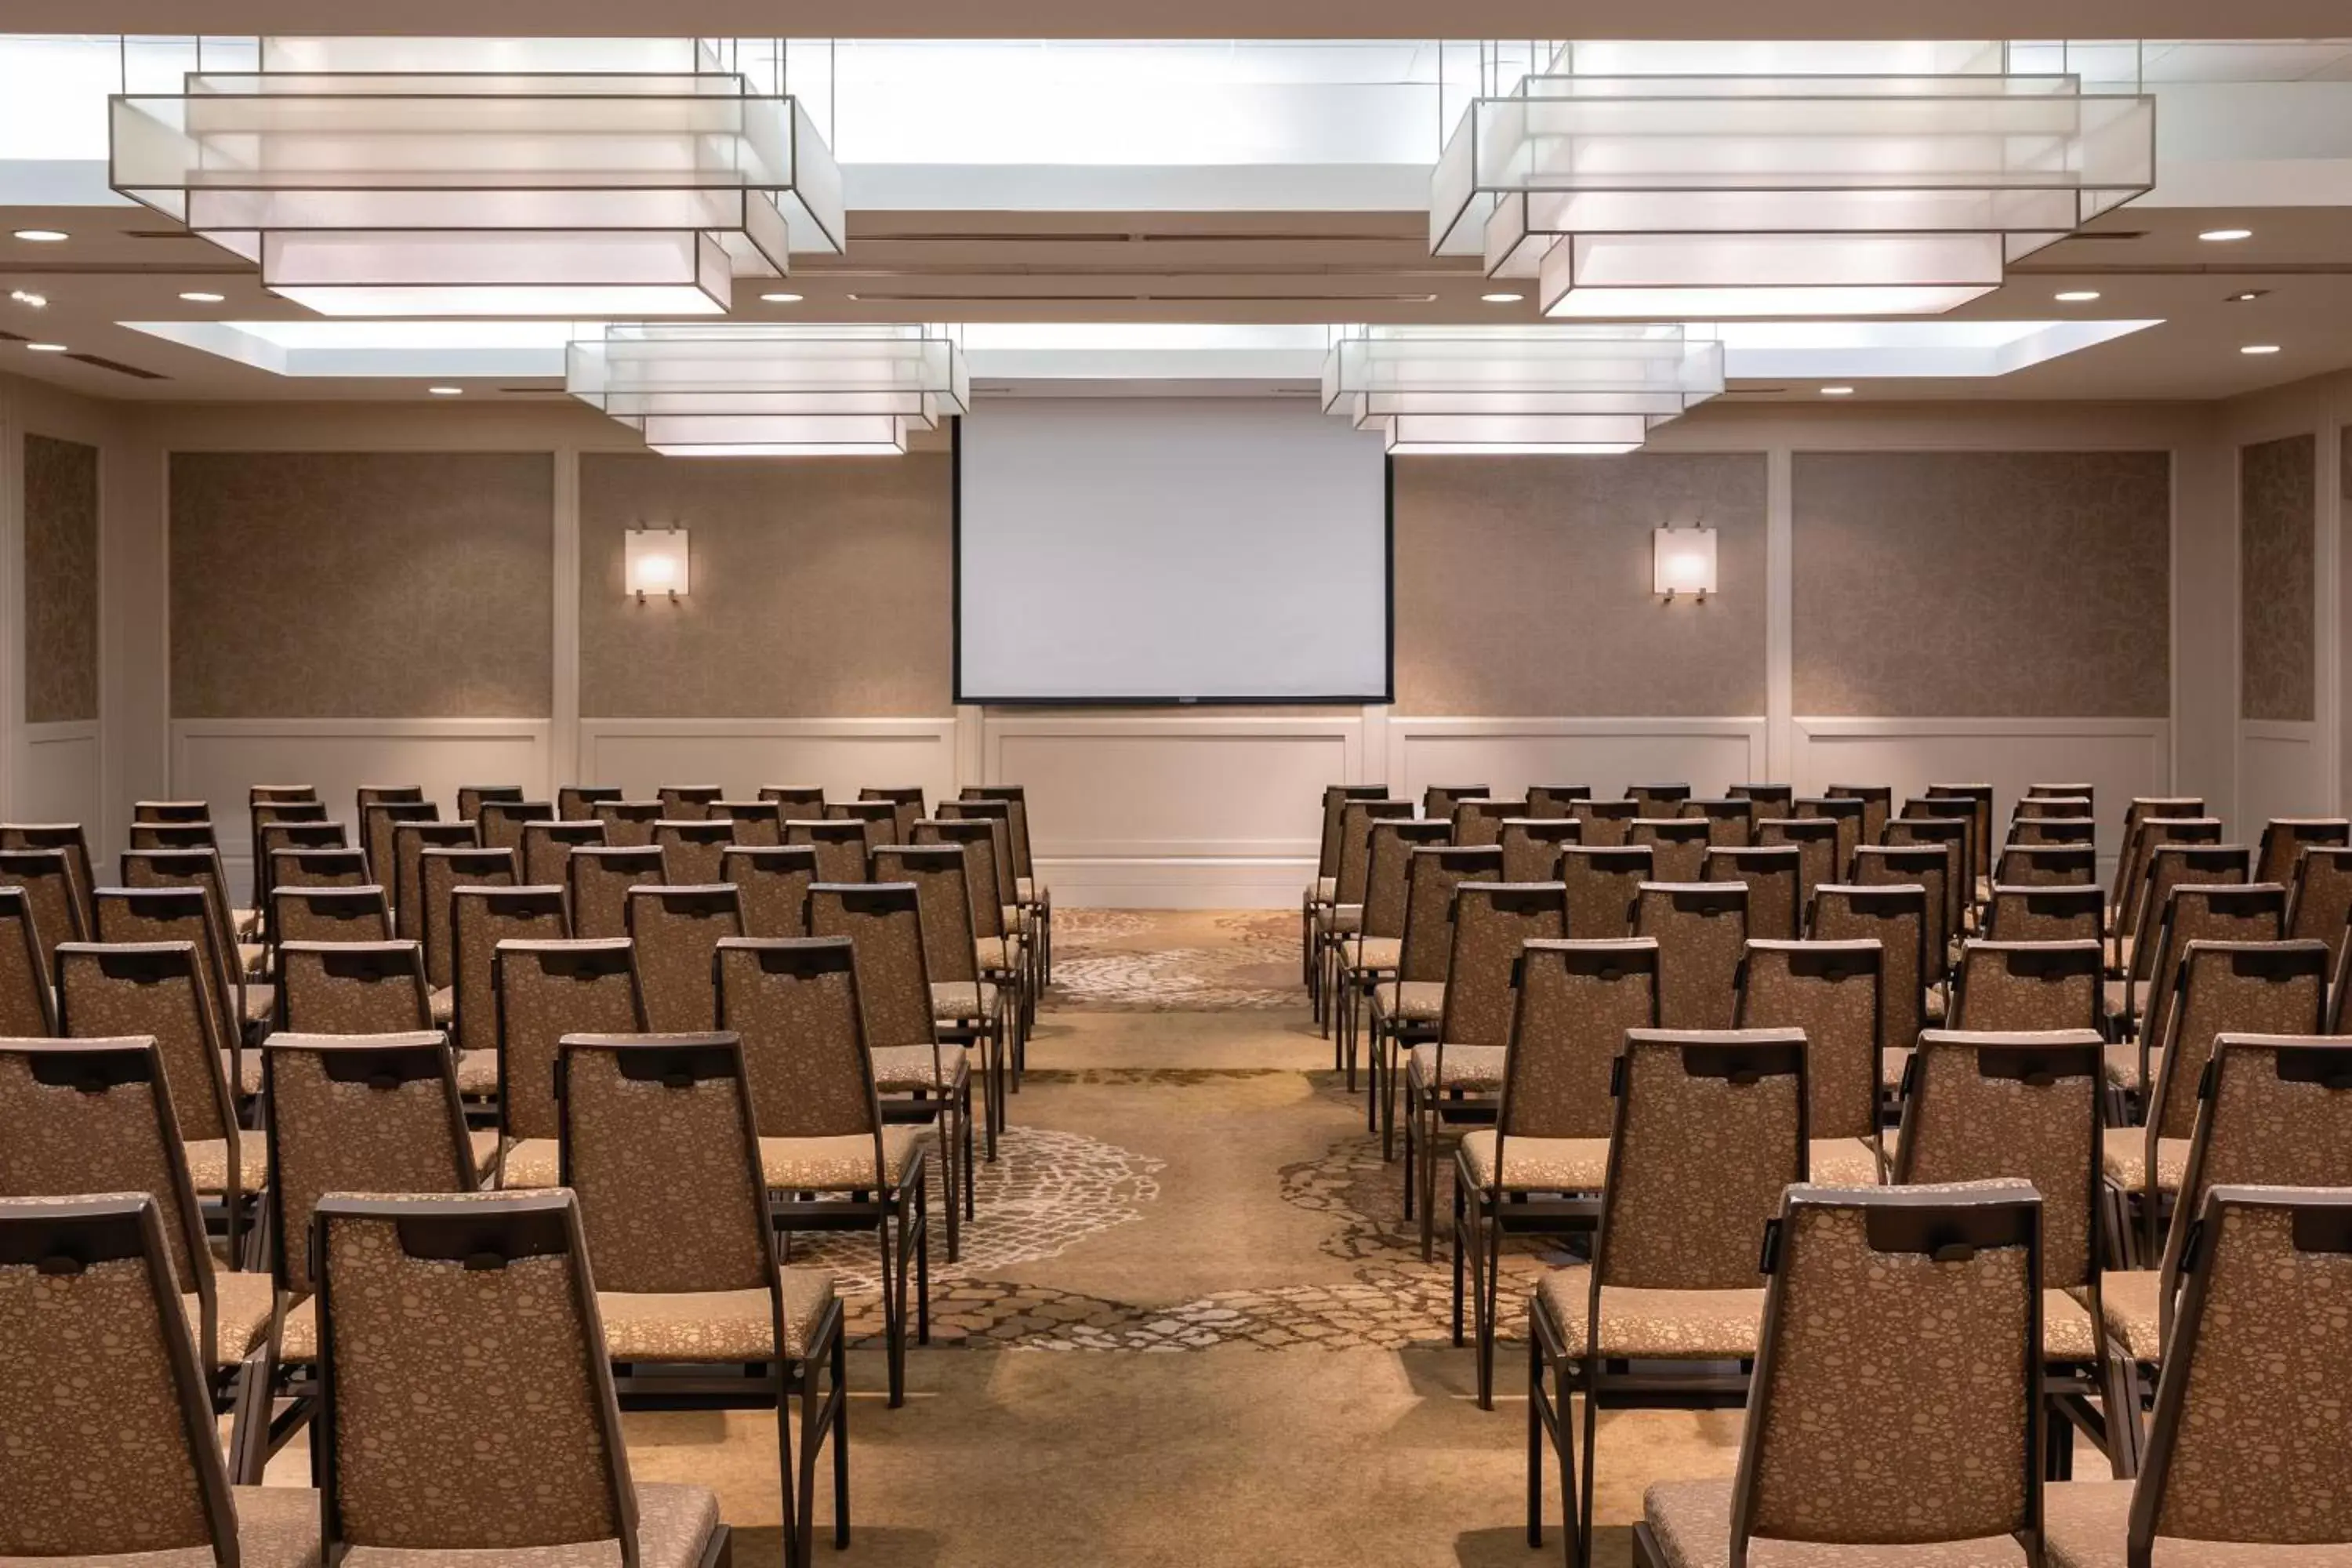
[
  {"x": 842, "y": 754},
  {"x": 2119, "y": 757},
  {"x": 2279, "y": 775},
  {"x": 59, "y": 778},
  {"x": 1175, "y": 812},
  {"x": 218, "y": 759},
  {"x": 1507, "y": 755}
]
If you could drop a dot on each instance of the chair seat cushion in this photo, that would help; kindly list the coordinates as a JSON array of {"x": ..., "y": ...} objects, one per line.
[
  {"x": 1412, "y": 1001},
  {"x": 443, "y": 1006},
  {"x": 484, "y": 1143},
  {"x": 208, "y": 1163},
  {"x": 241, "y": 1303},
  {"x": 297, "y": 1338},
  {"x": 2085, "y": 1523},
  {"x": 1691, "y": 1521},
  {"x": 1326, "y": 888},
  {"x": 954, "y": 1001},
  {"x": 1380, "y": 953},
  {"x": 277, "y": 1527},
  {"x": 2123, "y": 1154},
  {"x": 529, "y": 1163},
  {"x": 1465, "y": 1067},
  {"x": 675, "y": 1526},
  {"x": 714, "y": 1325},
  {"x": 242, "y": 1071},
  {"x": 1537, "y": 1164},
  {"x": 1842, "y": 1163},
  {"x": 2115, "y": 997},
  {"x": 1029, "y": 890},
  {"x": 2066, "y": 1329},
  {"x": 2130, "y": 1300},
  {"x": 1001, "y": 953},
  {"x": 1891, "y": 1063},
  {"x": 1344, "y": 919},
  {"x": 1656, "y": 1325},
  {"x": 901, "y": 1070},
  {"x": 478, "y": 1073},
  {"x": 2121, "y": 1063},
  {"x": 260, "y": 1002},
  {"x": 839, "y": 1164},
  {"x": 252, "y": 958}
]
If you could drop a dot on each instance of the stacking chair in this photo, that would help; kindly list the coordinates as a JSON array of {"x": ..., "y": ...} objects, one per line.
[
  {"x": 1370, "y": 955},
  {"x": 201, "y": 869},
  {"x": 1769, "y": 799},
  {"x": 753, "y": 823},
  {"x": 352, "y": 988},
  {"x": 1709, "y": 1129},
  {"x": 2193, "y": 911},
  {"x": 1531, "y": 847},
  {"x": 2166, "y": 866},
  {"x": 272, "y": 793},
  {"x": 577, "y": 803},
  {"x": 1983, "y": 1105},
  {"x": 1701, "y": 929},
  {"x": 1978, "y": 795},
  {"x": 830, "y": 1160},
  {"x": 123, "y": 1464},
  {"x": 2047, "y": 866},
  {"x": 67, "y": 839},
  {"x": 377, "y": 821},
  {"x": 471, "y": 798},
  {"x": 2142, "y": 840},
  {"x": 480, "y": 919},
  {"x": 49, "y": 897},
  {"x": 773, "y": 885},
  {"x": 966, "y": 1008},
  {"x": 28, "y": 997},
  {"x": 599, "y": 877},
  {"x": 2246, "y": 1457},
  {"x": 1034, "y": 898},
  {"x": 1344, "y": 916},
  {"x": 502, "y": 821},
  {"x": 1730, "y": 822},
  {"x": 410, "y": 840},
  {"x": 1829, "y": 992},
  {"x": 1847, "y": 813},
  {"x": 1949, "y": 833},
  {"x": 151, "y": 811},
  {"x": 1816, "y": 841},
  {"x": 547, "y": 846},
  {"x": 545, "y": 991},
  {"x": 2033, "y": 807},
  {"x": 173, "y": 835},
  {"x": 1603, "y": 885},
  {"x": 1896, "y": 918},
  {"x": 95, "y": 1116},
  {"x": 2319, "y": 903},
  {"x": 322, "y": 868},
  {"x": 1457, "y": 1077},
  {"x": 1407, "y": 1009},
  {"x": 1438, "y": 801},
  {"x": 2082, "y": 791},
  {"x": 840, "y": 847},
  {"x": 440, "y": 873},
  {"x": 1878, "y": 806},
  {"x": 879, "y": 818},
  {"x": 1537, "y": 1169},
  {"x": 277, "y": 838},
  {"x": 396, "y": 1384},
  {"x": 806, "y": 801},
  {"x": 2284, "y": 838},
  {"x": 2055, "y": 832},
  {"x": 1677, "y": 846},
  {"x": 330, "y": 914},
  {"x": 677, "y": 930},
  {"x": 628, "y": 824},
  {"x": 997, "y": 811},
  {"x": 691, "y": 850},
  {"x": 906, "y": 807},
  {"x": 2028, "y": 987},
  {"x": 1855, "y": 1447},
  {"x": 1004, "y": 955},
  {"x": 686, "y": 1272},
  {"x": 109, "y": 990},
  {"x": 1555, "y": 800},
  {"x": 2074, "y": 912},
  {"x": 1930, "y": 867},
  {"x": 689, "y": 803},
  {"x": 1773, "y": 875},
  {"x": 1479, "y": 821},
  {"x": 139, "y": 915},
  {"x": 1605, "y": 822},
  {"x": 1658, "y": 800},
  {"x": 923, "y": 1084}
]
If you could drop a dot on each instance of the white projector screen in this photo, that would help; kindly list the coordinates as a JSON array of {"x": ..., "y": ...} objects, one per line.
[{"x": 1170, "y": 549}]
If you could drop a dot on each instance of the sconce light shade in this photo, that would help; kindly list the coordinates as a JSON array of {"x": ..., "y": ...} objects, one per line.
[
  {"x": 655, "y": 560},
  {"x": 1682, "y": 561}
]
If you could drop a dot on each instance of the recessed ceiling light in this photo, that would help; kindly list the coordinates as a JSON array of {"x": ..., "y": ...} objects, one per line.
[
  {"x": 1837, "y": 392},
  {"x": 42, "y": 236},
  {"x": 2078, "y": 296},
  {"x": 1503, "y": 299},
  {"x": 447, "y": 390},
  {"x": 46, "y": 348},
  {"x": 782, "y": 298},
  {"x": 202, "y": 297},
  {"x": 2223, "y": 235},
  {"x": 27, "y": 297},
  {"x": 2247, "y": 297},
  {"x": 2260, "y": 348}
]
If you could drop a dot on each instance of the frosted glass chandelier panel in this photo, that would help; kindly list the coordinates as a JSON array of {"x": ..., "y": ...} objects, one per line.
[
  {"x": 498, "y": 190},
  {"x": 771, "y": 390}
]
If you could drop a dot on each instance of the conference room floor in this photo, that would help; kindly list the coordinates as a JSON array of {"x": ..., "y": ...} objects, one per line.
[{"x": 1191, "y": 1324}]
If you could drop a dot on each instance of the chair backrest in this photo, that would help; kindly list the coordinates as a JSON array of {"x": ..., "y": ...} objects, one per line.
[
  {"x": 691, "y": 848},
  {"x": 2284, "y": 838},
  {"x": 502, "y": 821},
  {"x": 599, "y": 877},
  {"x": 2007, "y": 987},
  {"x": 1980, "y": 820},
  {"x": 1896, "y": 918},
  {"x": 794, "y": 797},
  {"x": 840, "y": 847},
  {"x": 979, "y": 840},
  {"x": 1394, "y": 842},
  {"x": 1711, "y": 1127},
  {"x": 577, "y": 803},
  {"x": 2033, "y": 807},
  {"x": 410, "y": 840},
  {"x": 152, "y": 811},
  {"x": 1531, "y": 846},
  {"x": 1438, "y": 801},
  {"x": 125, "y": 1457},
  {"x": 547, "y": 848},
  {"x": 754, "y": 823},
  {"x": 1816, "y": 841},
  {"x": 1773, "y": 873},
  {"x": 1731, "y": 821},
  {"x": 1949, "y": 834},
  {"x": 1929, "y": 867},
  {"x": 1480, "y": 821},
  {"x": 49, "y": 897},
  {"x": 270, "y": 794},
  {"x": 547, "y": 990},
  {"x": 352, "y": 988},
  {"x": 440, "y": 873},
  {"x": 146, "y": 915},
  {"x": 660, "y": 1147},
  {"x": 1829, "y": 991},
  {"x": 676, "y": 929},
  {"x": 109, "y": 990},
  {"x": 2042, "y": 913},
  {"x": 377, "y": 821},
  {"x": 1701, "y": 930},
  {"x": 2141, "y": 845},
  {"x": 2073, "y": 832},
  {"x": 1677, "y": 845},
  {"x": 1605, "y": 821},
  {"x": 480, "y": 919},
  {"x": 355, "y": 1113},
  {"x": 689, "y": 803},
  {"x": 2319, "y": 909},
  {"x": 192, "y": 868},
  {"x": 2047, "y": 866},
  {"x": 906, "y": 809},
  {"x": 1554, "y": 800},
  {"x": 2082, "y": 791},
  {"x": 1492, "y": 921},
  {"x": 1771, "y": 799},
  {"x": 2233, "y": 988},
  {"x": 1356, "y": 821},
  {"x": 330, "y": 914},
  {"x": 1658, "y": 800},
  {"x": 878, "y": 819},
  {"x": 884, "y": 923},
  {"x": 2247, "y": 1444},
  {"x": 2169, "y": 866},
  {"x": 629, "y": 824},
  {"x": 998, "y": 814},
  {"x": 28, "y": 1001},
  {"x": 173, "y": 835},
  {"x": 471, "y": 798},
  {"x": 513, "y": 1267},
  {"x": 1017, "y": 797},
  {"x": 67, "y": 839},
  {"x": 2022, "y": 1104},
  {"x": 2206, "y": 912},
  {"x": 794, "y": 1005},
  {"x": 1430, "y": 884},
  {"x": 1576, "y": 1000},
  {"x": 773, "y": 884},
  {"x": 943, "y": 899},
  {"x": 1878, "y": 806},
  {"x": 1847, "y": 813},
  {"x": 1887, "y": 1308},
  {"x": 1604, "y": 883}
]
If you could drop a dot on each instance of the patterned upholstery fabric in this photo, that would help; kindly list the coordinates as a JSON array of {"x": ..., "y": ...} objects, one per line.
[
  {"x": 378, "y": 822},
  {"x": 48, "y": 892},
  {"x": 2206, "y": 912},
  {"x": 482, "y": 922},
  {"x": 27, "y": 1002},
  {"x": 883, "y": 925},
  {"x": 328, "y": 915},
  {"x": 1604, "y": 823},
  {"x": 1692, "y": 1523},
  {"x": 442, "y": 871},
  {"x": 1677, "y": 846},
  {"x": 2007, "y": 987},
  {"x": 2085, "y": 1525},
  {"x": 692, "y": 851},
  {"x": 689, "y": 803},
  {"x": 2121, "y": 1063},
  {"x": 543, "y": 999},
  {"x": 901, "y": 1070},
  {"x": 1474, "y": 1069},
  {"x": 1537, "y": 1164},
  {"x": 773, "y": 886},
  {"x": 600, "y": 880},
  {"x": 1414, "y": 1001},
  {"x": 354, "y": 988},
  {"x": 1491, "y": 922},
  {"x": 1894, "y": 918},
  {"x": 840, "y": 848},
  {"x": 1916, "y": 864},
  {"x": 957, "y": 1001},
  {"x": 715, "y": 1325},
  {"x": 1602, "y": 891},
  {"x": 1830, "y": 990},
  {"x": 1376, "y": 954},
  {"x": 839, "y": 1164},
  {"x": 629, "y": 824},
  {"x": 1430, "y": 887},
  {"x": 943, "y": 903},
  {"x": 2237, "y": 988},
  {"x": 1663, "y": 1325},
  {"x": 1701, "y": 931},
  {"x": 1842, "y": 1163},
  {"x": 529, "y": 1164},
  {"x": 175, "y": 915},
  {"x": 676, "y": 929},
  {"x": 547, "y": 850},
  {"x": 1576, "y": 1000},
  {"x": 242, "y": 1304},
  {"x": 1730, "y": 822},
  {"x": 409, "y": 842},
  {"x": 978, "y": 841},
  {"x": 2129, "y": 1300},
  {"x": 1772, "y": 876},
  {"x": 1816, "y": 852},
  {"x": 2321, "y": 908},
  {"x": 208, "y": 1162},
  {"x": 277, "y": 1527},
  {"x": 1389, "y": 872},
  {"x": 1356, "y": 820},
  {"x": 2122, "y": 1157},
  {"x": 2171, "y": 865},
  {"x": 1531, "y": 848},
  {"x": 811, "y": 1074}
]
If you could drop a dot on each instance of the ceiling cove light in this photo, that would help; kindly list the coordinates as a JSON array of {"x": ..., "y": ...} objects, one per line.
[
  {"x": 471, "y": 177},
  {"x": 1502, "y": 297},
  {"x": 2260, "y": 348},
  {"x": 43, "y": 236},
  {"x": 1555, "y": 390},
  {"x": 2225, "y": 235},
  {"x": 753, "y": 389},
  {"x": 2077, "y": 296},
  {"x": 1708, "y": 196},
  {"x": 202, "y": 297},
  {"x": 47, "y": 348}
]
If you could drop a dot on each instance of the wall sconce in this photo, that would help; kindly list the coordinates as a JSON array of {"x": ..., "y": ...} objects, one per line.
[
  {"x": 1682, "y": 561},
  {"x": 655, "y": 560}
]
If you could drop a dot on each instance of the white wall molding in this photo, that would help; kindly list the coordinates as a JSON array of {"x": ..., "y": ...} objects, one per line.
[
  {"x": 60, "y": 769},
  {"x": 2283, "y": 772},
  {"x": 842, "y": 754}
]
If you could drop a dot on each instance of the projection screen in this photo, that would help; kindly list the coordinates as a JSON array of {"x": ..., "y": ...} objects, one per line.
[{"x": 1170, "y": 551}]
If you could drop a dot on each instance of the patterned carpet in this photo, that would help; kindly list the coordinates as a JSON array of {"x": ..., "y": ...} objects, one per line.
[{"x": 1126, "y": 960}]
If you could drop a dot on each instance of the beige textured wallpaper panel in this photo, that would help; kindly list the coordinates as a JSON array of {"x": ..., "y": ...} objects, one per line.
[
  {"x": 361, "y": 585},
  {"x": 820, "y": 588},
  {"x": 2278, "y": 497},
  {"x": 1523, "y": 586},
  {"x": 60, "y": 579},
  {"x": 1981, "y": 584}
]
